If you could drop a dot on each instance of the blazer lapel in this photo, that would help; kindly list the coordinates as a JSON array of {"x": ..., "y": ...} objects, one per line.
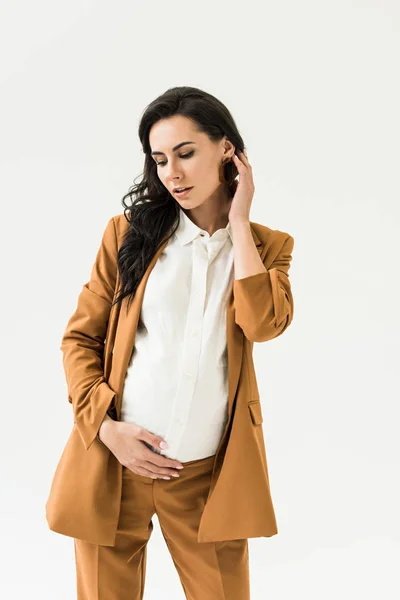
[{"x": 123, "y": 326}]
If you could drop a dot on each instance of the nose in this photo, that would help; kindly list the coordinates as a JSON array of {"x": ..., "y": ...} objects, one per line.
[{"x": 173, "y": 173}]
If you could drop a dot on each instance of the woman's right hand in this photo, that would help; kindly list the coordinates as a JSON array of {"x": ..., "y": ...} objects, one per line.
[{"x": 127, "y": 441}]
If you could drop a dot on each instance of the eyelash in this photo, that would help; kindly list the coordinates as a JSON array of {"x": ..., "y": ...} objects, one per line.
[{"x": 188, "y": 155}]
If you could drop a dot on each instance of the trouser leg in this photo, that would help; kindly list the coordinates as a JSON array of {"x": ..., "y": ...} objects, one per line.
[
  {"x": 118, "y": 572},
  {"x": 207, "y": 570}
]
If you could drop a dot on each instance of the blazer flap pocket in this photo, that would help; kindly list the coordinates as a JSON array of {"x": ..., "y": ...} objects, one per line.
[{"x": 255, "y": 411}]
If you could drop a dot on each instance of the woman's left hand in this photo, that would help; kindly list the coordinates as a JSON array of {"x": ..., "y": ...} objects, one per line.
[{"x": 241, "y": 201}]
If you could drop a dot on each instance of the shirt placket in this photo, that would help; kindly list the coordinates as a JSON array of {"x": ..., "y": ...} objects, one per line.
[{"x": 192, "y": 344}]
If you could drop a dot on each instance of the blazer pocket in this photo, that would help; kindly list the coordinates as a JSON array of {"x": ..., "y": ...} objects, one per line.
[{"x": 255, "y": 412}]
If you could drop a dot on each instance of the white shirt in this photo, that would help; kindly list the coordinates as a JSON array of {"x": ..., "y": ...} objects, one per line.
[{"x": 176, "y": 384}]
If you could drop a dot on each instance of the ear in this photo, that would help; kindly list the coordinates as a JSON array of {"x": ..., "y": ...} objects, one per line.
[{"x": 228, "y": 148}]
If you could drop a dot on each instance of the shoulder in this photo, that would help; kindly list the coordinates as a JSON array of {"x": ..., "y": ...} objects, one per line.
[
  {"x": 119, "y": 224},
  {"x": 272, "y": 238}
]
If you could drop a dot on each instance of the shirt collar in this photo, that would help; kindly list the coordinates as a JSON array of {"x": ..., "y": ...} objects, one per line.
[{"x": 187, "y": 231}]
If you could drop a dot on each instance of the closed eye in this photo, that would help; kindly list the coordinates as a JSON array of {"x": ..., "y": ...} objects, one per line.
[{"x": 188, "y": 155}]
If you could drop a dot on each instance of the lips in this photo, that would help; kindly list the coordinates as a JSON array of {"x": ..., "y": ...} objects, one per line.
[{"x": 175, "y": 190}]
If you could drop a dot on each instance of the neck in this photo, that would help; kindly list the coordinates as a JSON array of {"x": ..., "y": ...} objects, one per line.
[{"x": 212, "y": 214}]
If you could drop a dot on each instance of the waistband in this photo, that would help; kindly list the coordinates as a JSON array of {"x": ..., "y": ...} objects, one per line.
[
  {"x": 191, "y": 468},
  {"x": 199, "y": 461}
]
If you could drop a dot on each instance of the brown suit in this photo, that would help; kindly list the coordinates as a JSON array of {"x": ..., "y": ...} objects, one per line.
[{"x": 85, "y": 495}]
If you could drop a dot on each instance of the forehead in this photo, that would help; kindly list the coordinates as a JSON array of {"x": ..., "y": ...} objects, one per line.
[{"x": 166, "y": 133}]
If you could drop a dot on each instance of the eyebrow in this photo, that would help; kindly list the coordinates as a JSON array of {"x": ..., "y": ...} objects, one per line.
[{"x": 173, "y": 149}]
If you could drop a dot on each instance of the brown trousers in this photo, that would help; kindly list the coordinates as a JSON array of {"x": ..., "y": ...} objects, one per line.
[{"x": 207, "y": 570}]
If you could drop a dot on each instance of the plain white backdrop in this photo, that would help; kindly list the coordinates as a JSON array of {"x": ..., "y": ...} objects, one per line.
[{"x": 314, "y": 89}]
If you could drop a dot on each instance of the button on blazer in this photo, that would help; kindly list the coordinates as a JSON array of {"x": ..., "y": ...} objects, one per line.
[{"x": 85, "y": 492}]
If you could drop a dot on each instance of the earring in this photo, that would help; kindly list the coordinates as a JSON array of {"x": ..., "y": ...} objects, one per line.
[{"x": 231, "y": 170}]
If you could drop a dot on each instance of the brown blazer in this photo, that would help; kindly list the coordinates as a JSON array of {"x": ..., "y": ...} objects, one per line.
[{"x": 85, "y": 493}]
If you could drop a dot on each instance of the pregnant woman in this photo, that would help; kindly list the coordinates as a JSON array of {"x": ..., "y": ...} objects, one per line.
[{"x": 159, "y": 367}]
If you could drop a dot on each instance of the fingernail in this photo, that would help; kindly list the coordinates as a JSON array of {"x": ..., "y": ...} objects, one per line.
[{"x": 163, "y": 445}]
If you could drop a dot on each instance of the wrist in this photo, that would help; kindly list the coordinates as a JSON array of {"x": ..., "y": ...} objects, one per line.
[
  {"x": 239, "y": 221},
  {"x": 105, "y": 427}
]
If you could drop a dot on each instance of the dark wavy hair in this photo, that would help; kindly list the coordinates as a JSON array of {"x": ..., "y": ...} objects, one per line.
[{"x": 153, "y": 213}]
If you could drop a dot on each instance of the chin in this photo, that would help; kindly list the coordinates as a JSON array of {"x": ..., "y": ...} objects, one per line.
[{"x": 188, "y": 202}]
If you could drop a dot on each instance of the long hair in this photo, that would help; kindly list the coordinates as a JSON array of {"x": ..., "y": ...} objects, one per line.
[{"x": 153, "y": 213}]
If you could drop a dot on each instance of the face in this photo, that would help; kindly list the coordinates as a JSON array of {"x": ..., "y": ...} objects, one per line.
[{"x": 195, "y": 164}]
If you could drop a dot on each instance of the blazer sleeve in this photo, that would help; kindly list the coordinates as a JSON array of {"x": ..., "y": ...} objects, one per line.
[
  {"x": 263, "y": 302},
  {"x": 83, "y": 342}
]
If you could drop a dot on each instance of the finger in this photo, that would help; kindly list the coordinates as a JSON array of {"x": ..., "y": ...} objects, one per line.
[
  {"x": 142, "y": 471},
  {"x": 238, "y": 162},
  {"x": 150, "y": 438},
  {"x": 243, "y": 168},
  {"x": 245, "y": 158},
  {"x": 159, "y": 471},
  {"x": 152, "y": 441},
  {"x": 154, "y": 458}
]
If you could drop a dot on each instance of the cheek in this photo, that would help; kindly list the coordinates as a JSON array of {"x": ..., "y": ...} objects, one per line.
[
  {"x": 203, "y": 171},
  {"x": 161, "y": 174}
]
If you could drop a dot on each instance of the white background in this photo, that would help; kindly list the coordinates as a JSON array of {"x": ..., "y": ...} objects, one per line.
[{"x": 314, "y": 89}]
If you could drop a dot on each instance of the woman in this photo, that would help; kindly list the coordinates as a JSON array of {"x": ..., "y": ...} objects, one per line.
[{"x": 158, "y": 362}]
